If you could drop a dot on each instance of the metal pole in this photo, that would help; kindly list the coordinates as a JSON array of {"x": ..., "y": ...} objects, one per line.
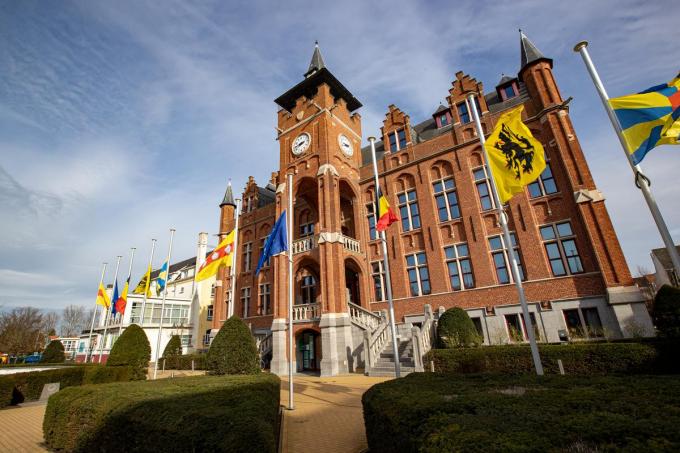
[
  {"x": 148, "y": 284},
  {"x": 642, "y": 182},
  {"x": 88, "y": 356},
  {"x": 132, "y": 258},
  {"x": 291, "y": 349},
  {"x": 386, "y": 265},
  {"x": 508, "y": 242},
  {"x": 232, "y": 271},
  {"x": 165, "y": 293},
  {"x": 108, "y": 312}
]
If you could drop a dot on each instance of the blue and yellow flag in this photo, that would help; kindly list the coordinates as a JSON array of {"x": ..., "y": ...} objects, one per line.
[
  {"x": 650, "y": 118},
  {"x": 162, "y": 279}
]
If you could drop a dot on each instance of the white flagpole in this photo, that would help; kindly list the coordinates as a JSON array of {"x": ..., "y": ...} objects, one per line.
[
  {"x": 291, "y": 349},
  {"x": 508, "y": 241},
  {"x": 640, "y": 179},
  {"x": 88, "y": 356},
  {"x": 234, "y": 261},
  {"x": 148, "y": 285},
  {"x": 108, "y": 311},
  {"x": 120, "y": 315},
  {"x": 165, "y": 293},
  {"x": 386, "y": 264}
]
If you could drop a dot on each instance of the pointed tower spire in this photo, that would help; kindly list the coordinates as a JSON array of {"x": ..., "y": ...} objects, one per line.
[
  {"x": 317, "y": 61},
  {"x": 529, "y": 53},
  {"x": 228, "y": 197}
]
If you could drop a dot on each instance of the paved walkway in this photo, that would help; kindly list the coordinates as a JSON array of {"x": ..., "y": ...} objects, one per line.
[
  {"x": 328, "y": 415},
  {"x": 21, "y": 428}
]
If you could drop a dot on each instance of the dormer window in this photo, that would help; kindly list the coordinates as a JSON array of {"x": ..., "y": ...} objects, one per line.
[
  {"x": 509, "y": 92},
  {"x": 397, "y": 140},
  {"x": 443, "y": 120},
  {"x": 507, "y": 88}
]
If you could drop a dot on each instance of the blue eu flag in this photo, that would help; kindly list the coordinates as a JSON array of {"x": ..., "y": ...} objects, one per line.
[{"x": 276, "y": 243}]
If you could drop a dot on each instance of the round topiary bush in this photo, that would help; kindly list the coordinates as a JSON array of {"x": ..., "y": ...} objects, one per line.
[
  {"x": 667, "y": 311},
  {"x": 233, "y": 351},
  {"x": 173, "y": 348},
  {"x": 131, "y": 349},
  {"x": 54, "y": 353},
  {"x": 456, "y": 330}
]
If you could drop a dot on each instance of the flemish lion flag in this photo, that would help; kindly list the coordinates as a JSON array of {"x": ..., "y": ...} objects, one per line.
[
  {"x": 143, "y": 287},
  {"x": 515, "y": 156},
  {"x": 102, "y": 297},
  {"x": 220, "y": 256}
]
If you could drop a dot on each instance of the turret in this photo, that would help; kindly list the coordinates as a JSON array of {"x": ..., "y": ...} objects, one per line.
[
  {"x": 227, "y": 210},
  {"x": 536, "y": 73}
]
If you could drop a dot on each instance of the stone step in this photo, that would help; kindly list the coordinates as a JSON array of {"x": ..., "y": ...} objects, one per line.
[
  {"x": 387, "y": 372},
  {"x": 391, "y": 360}
]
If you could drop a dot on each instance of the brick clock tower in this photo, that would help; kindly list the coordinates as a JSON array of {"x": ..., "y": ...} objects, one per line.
[{"x": 320, "y": 144}]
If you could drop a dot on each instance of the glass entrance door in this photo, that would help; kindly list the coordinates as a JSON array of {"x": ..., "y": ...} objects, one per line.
[{"x": 306, "y": 347}]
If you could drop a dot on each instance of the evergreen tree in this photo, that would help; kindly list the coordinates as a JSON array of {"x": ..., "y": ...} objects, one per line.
[
  {"x": 455, "y": 329},
  {"x": 132, "y": 348},
  {"x": 54, "y": 353},
  {"x": 233, "y": 350},
  {"x": 173, "y": 348},
  {"x": 667, "y": 311}
]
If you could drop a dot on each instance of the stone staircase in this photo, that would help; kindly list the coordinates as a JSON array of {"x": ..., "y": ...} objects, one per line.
[{"x": 384, "y": 363}]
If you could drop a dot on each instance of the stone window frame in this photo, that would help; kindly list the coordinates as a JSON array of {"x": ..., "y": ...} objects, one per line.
[
  {"x": 444, "y": 194},
  {"x": 520, "y": 317},
  {"x": 540, "y": 183},
  {"x": 245, "y": 301},
  {"x": 210, "y": 312},
  {"x": 584, "y": 329},
  {"x": 247, "y": 256},
  {"x": 485, "y": 181},
  {"x": 418, "y": 267},
  {"x": 379, "y": 278},
  {"x": 397, "y": 145},
  {"x": 457, "y": 259},
  {"x": 264, "y": 294},
  {"x": 557, "y": 239},
  {"x": 373, "y": 234},
  {"x": 408, "y": 206},
  {"x": 503, "y": 252}
]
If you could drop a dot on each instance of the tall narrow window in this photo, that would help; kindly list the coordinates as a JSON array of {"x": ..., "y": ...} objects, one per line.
[
  {"x": 483, "y": 188},
  {"x": 401, "y": 136},
  {"x": 210, "y": 312},
  {"x": 460, "y": 269},
  {"x": 463, "y": 113},
  {"x": 446, "y": 198},
  {"x": 245, "y": 301},
  {"x": 560, "y": 246},
  {"x": 418, "y": 275},
  {"x": 264, "y": 240},
  {"x": 372, "y": 232},
  {"x": 378, "y": 274},
  {"x": 308, "y": 289},
  {"x": 307, "y": 229},
  {"x": 544, "y": 185},
  {"x": 397, "y": 140},
  {"x": 265, "y": 299},
  {"x": 247, "y": 256},
  {"x": 499, "y": 254},
  {"x": 509, "y": 92},
  {"x": 443, "y": 120},
  {"x": 408, "y": 208}
]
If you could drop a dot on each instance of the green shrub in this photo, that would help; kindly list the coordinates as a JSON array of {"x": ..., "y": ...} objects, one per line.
[
  {"x": 580, "y": 358},
  {"x": 183, "y": 362},
  {"x": 200, "y": 413},
  {"x": 233, "y": 350},
  {"x": 455, "y": 329},
  {"x": 667, "y": 311},
  {"x": 173, "y": 348},
  {"x": 53, "y": 353},
  {"x": 427, "y": 412},
  {"x": 131, "y": 349}
]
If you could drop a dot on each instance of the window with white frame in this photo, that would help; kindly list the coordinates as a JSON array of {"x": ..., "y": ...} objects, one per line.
[
  {"x": 212, "y": 291},
  {"x": 544, "y": 185},
  {"x": 459, "y": 266},
  {"x": 583, "y": 322},
  {"x": 397, "y": 140},
  {"x": 501, "y": 260},
  {"x": 378, "y": 274},
  {"x": 560, "y": 246},
  {"x": 247, "y": 256},
  {"x": 446, "y": 199},
  {"x": 206, "y": 338},
  {"x": 418, "y": 275},
  {"x": 265, "y": 299},
  {"x": 308, "y": 289},
  {"x": 245, "y": 301},
  {"x": 517, "y": 329},
  {"x": 465, "y": 112},
  {"x": 483, "y": 188},
  {"x": 408, "y": 208},
  {"x": 307, "y": 229},
  {"x": 211, "y": 309},
  {"x": 370, "y": 214}
]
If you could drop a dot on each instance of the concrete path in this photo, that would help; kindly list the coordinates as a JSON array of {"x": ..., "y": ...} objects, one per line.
[
  {"x": 328, "y": 415},
  {"x": 21, "y": 428}
]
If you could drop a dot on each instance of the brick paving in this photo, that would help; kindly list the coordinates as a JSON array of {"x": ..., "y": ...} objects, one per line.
[
  {"x": 21, "y": 428},
  {"x": 328, "y": 416}
]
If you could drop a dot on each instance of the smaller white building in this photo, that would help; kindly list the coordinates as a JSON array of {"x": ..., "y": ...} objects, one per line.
[{"x": 663, "y": 268}]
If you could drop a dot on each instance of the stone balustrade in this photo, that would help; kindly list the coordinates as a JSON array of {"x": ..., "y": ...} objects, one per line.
[{"x": 306, "y": 312}]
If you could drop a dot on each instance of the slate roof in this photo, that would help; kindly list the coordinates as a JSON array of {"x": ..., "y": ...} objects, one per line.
[
  {"x": 189, "y": 262},
  {"x": 266, "y": 195},
  {"x": 529, "y": 53},
  {"x": 663, "y": 257},
  {"x": 317, "y": 61},
  {"x": 228, "y": 197},
  {"x": 505, "y": 79}
]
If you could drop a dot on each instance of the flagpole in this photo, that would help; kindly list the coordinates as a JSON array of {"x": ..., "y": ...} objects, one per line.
[
  {"x": 508, "y": 241},
  {"x": 108, "y": 312},
  {"x": 94, "y": 315},
  {"x": 120, "y": 319},
  {"x": 289, "y": 183},
  {"x": 640, "y": 179},
  {"x": 386, "y": 264},
  {"x": 165, "y": 293},
  {"x": 148, "y": 285},
  {"x": 232, "y": 271}
]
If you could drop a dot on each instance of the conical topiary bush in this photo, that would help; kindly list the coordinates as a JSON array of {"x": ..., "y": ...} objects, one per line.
[
  {"x": 173, "y": 348},
  {"x": 132, "y": 348},
  {"x": 455, "y": 329},
  {"x": 233, "y": 351},
  {"x": 54, "y": 353}
]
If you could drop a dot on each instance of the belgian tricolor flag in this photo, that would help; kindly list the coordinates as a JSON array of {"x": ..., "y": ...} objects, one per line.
[{"x": 385, "y": 214}]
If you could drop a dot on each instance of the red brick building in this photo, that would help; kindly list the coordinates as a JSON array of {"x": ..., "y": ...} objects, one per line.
[{"x": 447, "y": 249}]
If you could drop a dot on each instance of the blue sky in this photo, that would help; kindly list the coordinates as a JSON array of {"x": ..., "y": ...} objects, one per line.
[{"x": 119, "y": 120}]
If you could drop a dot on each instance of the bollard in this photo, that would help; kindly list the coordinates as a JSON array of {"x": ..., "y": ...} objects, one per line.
[
  {"x": 559, "y": 364},
  {"x": 163, "y": 365},
  {"x": 192, "y": 365},
  {"x": 432, "y": 365}
]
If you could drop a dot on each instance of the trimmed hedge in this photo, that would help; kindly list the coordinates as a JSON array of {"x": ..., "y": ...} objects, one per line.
[
  {"x": 54, "y": 353},
  {"x": 455, "y": 329},
  {"x": 183, "y": 362},
  {"x": 19, "y": 387},
  {"x": 173, "y": 348},
  {"x": 580, "y": 358},
  {"x": 426, "y": 412},
  {"x": 233, "y": 350},
  {"x": 132, "y": 349},
  {"x": 667, "y": 311},
  {"x": 200, "y": 413}
]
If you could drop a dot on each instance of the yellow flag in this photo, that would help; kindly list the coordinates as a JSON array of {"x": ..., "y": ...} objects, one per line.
[
  {"x": 102, "y": 297},
  {"x": 222, "y": 255},
  {"x": 143, "y": 287},
  {"x": 515, "y": 156}
]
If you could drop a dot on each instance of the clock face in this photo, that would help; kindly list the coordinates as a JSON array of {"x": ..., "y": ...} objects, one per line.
[
  {"x": 345, "y": 145},
  {"x": 301, "y": 143}
]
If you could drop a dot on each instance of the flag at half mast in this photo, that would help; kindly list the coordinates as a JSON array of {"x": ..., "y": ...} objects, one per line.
[
  {"x": 221, "y": 256},
  {"x": 121, "y": 302},
  {"x": 144, "y": 285},
  {"x": 276, "y": 242},
  {"x": 386, "y": 215},
  {"x": 162, "y": 279},
  {"x": 515, "y": 156},
  {"x": 102, "y": 297}
]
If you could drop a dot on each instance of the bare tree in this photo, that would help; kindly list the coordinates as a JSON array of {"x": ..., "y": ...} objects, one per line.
[
  {"x": 641, "y": 271},
  {"x": 49, "y": 323},
  {"x": 73, "y": 320},
  {"x": 21, "y": 330}
]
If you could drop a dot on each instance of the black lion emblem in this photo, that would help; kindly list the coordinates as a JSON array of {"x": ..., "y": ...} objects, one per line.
[{"x": 518, "y": 152}]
